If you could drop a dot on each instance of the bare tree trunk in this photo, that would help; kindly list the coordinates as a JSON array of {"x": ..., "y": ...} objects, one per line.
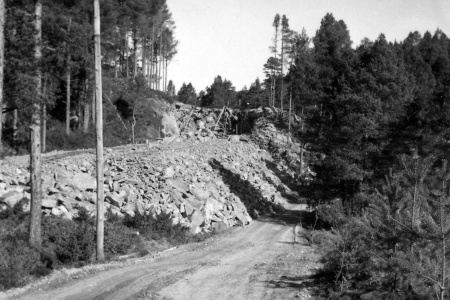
[
  {"x": 290, "y": 114},
  {"x": 282, "y": 63},
  {"x": 144, "y": 60},
  {"x": 99, "y": 132},
  {"x": 68, "y": 102},
  {"x": 93, "y": 105},
  {"x": 148, "y": 67},
  {"x": 302, "y": 145},
  {"x": 68, "y": 84},
  {"x": 155, "y": 81},
  {"x": 44, "y": 128},
  {"x": 14, "y": 128},
  {"x": 132, "y": 126},
  {"x": 86, "y": 106},
  {"x": 2, "y": 61},
  {"x": 122, "y": 55},
  {"x": 35, "y": 238},
  {"x": 135, "y": 57},
  {"x": 274, "y": 90},
  {"x": 79, "y": 115},
  {"x": 44, "y": 118},
  {"x": 127, "y": 70},
  {"x": 152, "y": 67},
  {"x": 160, "y": 61},
  {"x": 165, "y": 81},
  {"x": 116, "y": 68},
  {"x": 86, "y": 116}
]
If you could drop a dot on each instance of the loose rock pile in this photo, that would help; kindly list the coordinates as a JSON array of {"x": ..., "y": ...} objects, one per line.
[
  {"x": 202, "y": 185},
  {"x": 202, "y": 124},
  {"x": 287, "y": 151}
]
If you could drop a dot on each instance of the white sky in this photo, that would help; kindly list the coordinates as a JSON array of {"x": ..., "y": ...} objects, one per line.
[{"x": 231, "y": 38}]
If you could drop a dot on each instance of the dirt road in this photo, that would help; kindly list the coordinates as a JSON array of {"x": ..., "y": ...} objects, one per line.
[{"x": 261, "y": 261}]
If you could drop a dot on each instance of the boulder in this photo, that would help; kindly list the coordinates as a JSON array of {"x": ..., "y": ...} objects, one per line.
[
  {"x": 244, "y": 218},
  {"x": 84, "y": 181},
  {"x": 169, "y": 126},
  {"x": 11, "y": 198},
  {"x": 199, "y": 192},
  {"x": 219, "y": 226},
  {"x": 200, "y": 124},
  {"x": 49, "y": 202},
  {"x": 213, "y": 190},
  {"x": 88, "y": 206},
  {"x": 61, "y": 211},
  {"x": 169, "y": 172},
  {"x": 178, "y": 184},
  {"x": 234, "y": 138},
  {"x": 114, "y": 199},
  {"x": 197, "y": 219}
]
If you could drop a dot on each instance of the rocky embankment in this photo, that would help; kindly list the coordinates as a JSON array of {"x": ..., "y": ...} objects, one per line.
[
  {"x": 202, "y": 181},
  {"x": 202, "y": 185}
]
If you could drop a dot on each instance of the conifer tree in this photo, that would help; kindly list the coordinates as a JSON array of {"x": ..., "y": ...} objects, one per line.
[
  {"x": 286, "y": 35},
  {"x": 274, "y": 59}
]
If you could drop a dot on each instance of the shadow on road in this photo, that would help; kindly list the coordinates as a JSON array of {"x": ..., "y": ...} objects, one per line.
[
  {"x": 286, "y": 217},
  {"x": 313, "y": 283}
]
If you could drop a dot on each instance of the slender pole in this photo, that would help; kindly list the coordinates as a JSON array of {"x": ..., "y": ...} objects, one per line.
[
  {"x": 2, "y": 60},
  {"x": 99, "y": 132},
  {"x": 35, "y": 238}
]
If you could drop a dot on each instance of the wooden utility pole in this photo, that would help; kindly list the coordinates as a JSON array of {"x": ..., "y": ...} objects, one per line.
[
  {"x": 2, "y": 61},
  {"x": 99, "y": 131},
  {"x": 35, "y": 238}
]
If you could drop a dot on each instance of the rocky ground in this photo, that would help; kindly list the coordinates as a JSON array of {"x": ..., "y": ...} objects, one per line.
[{"x": 204, "y": 182}]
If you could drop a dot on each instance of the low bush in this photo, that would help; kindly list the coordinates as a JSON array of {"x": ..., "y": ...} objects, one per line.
[
  {"x": 18, "y": 261},
  {"x": 157, "y": 227},
  {"x": 73, "y": 242}
]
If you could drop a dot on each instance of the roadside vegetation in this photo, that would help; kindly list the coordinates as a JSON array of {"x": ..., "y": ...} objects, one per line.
[
  {"x": 71, "y": 243},
  {"x": 377, "y": 115}
]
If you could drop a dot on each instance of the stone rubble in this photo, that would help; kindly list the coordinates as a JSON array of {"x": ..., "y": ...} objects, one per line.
[
  {"x": 202, "y": 185},
  {"x": 203, "y": 181}
]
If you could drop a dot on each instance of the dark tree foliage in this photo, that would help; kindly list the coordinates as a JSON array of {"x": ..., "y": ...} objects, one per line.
[
  {"x": 378, "y": 115},
  {"x": 220, "y": 93},
  {"x": 187, "y": 94}
]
